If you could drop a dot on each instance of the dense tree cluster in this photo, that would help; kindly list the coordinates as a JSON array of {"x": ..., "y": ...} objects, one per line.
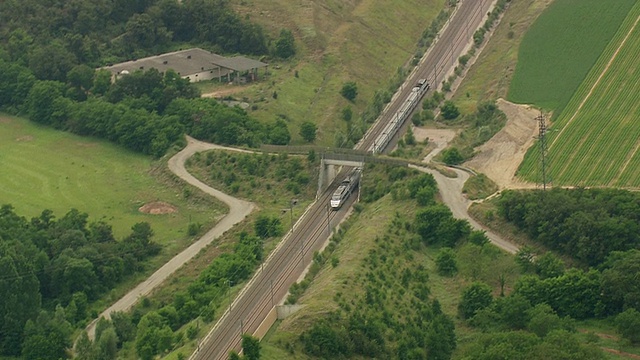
[
  {"x": 47, "y": 262},
  {"x": 144, "y": 111},
  {"x": 583, "y": 294},
  {"x": 519, "y": 329},
  {"x": 156, "y": 331},
  {"x": 587, "y": 224},
  {"x": 51, "y": 37},
  {"x": 520, "y": 345},
  {"x": 48, "y": 53}
]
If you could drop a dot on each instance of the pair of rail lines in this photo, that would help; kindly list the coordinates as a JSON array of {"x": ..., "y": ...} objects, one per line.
[{"x": 261, "y": 294}]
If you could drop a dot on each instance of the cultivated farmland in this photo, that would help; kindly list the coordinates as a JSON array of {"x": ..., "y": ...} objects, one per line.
[
  {"x": 596, "y": 139},
  {"x": 561, "y": 47}
]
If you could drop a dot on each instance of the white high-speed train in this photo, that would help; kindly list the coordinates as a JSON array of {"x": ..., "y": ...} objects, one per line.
[
  {"x": 345, "y": 189},
  {"x": 400, "y": 116}
]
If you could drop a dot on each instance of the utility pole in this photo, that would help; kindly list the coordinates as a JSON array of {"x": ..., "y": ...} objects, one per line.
[
  {"x": 229, "y": 295},
  {"x": 328, "y": 221},
  {"x": 542, "y": 132},
  {"x": 272, "y": 301},
  {"x": 292, "y": 203}
]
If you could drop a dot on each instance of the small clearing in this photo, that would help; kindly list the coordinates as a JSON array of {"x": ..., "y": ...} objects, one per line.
[
  {"x": 225, "y": 91},
  {"x": 439, "y": 137},
  {"x": 157, "y": 208},
  {"x": 500, "y": 157},
  {"x": 25, "y": 138}
]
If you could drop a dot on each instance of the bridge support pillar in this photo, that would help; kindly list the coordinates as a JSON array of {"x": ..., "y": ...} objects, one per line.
[{"x": 327, "y": 174}]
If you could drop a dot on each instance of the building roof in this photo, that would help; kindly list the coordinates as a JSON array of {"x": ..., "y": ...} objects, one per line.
[
  {"x": 188, "y": 62},
  {"x": 184, "y": 62},
  {"x": 240, "y": 63}
]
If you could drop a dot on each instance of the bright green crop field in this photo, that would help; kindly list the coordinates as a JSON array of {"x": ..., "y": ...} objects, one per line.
[
  {"x": 561, "y": 47},
  {"x": 595, "y": 141},
  {"x": 42, "y": 168}
]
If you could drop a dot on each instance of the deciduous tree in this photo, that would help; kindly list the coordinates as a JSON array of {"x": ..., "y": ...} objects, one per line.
[
  {"x": 349, "y": 90},
  {"x": 308, "y": 131},
  {"x": 285, "y": 45},
  {"x": 475, "y": 297}
]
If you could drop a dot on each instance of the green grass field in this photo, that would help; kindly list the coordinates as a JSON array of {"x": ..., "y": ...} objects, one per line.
[
  {"x": 596, "y": 137},
  {"x": 561, "y": 47},
  {"x": 44, "y": 168}
]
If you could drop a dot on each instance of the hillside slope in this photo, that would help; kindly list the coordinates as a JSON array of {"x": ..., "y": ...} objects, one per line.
[{"x": 364, "y": 41}]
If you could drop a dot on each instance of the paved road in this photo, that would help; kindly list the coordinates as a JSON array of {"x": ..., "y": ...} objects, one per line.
[{"x": 238, "y": 210}]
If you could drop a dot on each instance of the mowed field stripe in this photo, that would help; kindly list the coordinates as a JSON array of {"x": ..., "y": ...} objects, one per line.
[
  {"x": 597, "y": 143},
  {"x": 602, "y": 74}
]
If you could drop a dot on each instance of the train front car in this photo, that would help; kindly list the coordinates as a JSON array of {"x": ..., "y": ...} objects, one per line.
[
  {"x": 345, "y": 189},
  {"x": 339, "y": 195}
]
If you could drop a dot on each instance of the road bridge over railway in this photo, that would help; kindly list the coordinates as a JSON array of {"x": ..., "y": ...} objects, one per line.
[
  {"x": 286, "y": 262},
  {"x": 332, "y": 159}
]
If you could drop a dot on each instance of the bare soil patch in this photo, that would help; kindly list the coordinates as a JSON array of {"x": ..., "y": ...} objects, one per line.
[
  {"x": 500, "y": 157},
  {"x": 226, "y": 91},
  {"x": 25, "y": 138},
  {"x": 157, "y": 208},
  {"x": 439, "y": 137},
  {"x": 621, "y": 353}
]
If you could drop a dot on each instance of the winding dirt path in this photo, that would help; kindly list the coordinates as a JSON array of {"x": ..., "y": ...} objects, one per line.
[
  {"x": 238, "y": 210},
  {"x": 452, "y": 196}
]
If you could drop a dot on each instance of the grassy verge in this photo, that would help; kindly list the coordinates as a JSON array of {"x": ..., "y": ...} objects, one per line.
[
  {"x": 479, "y": 187},
  {"x": 560, "y": 48}
]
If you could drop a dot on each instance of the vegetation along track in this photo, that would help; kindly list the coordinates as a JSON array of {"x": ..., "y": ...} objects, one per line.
[{"x": 273, "y": 280}]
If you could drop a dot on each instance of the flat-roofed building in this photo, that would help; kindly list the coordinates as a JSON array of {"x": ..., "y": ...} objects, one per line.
[{"x": 194, "y": 64}]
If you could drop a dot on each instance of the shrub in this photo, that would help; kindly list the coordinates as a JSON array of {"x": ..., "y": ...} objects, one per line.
[
  {"x": 452, "y": 156},
  {"x": 194, "y": 228},
  {"x": 449, "y": 110},
  {"x": 446, "y": 262},
  {"x": 628, "y": 325},
  {"x": 349, "y": 91},
  {"x": 475, "y": 297}
]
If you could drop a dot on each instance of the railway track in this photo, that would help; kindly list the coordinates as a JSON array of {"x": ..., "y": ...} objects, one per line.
[
  {"x": 435, "y": 65},
  {"x": 271, "y": 283},
  {"x": 273, "y": 280}
]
